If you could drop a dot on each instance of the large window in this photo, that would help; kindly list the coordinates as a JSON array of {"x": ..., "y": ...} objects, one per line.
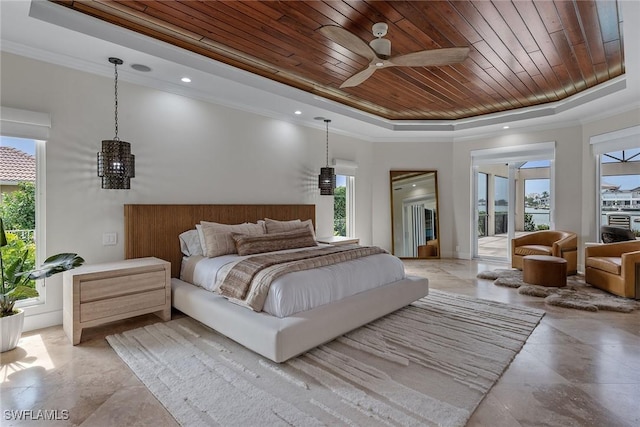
[
  {"x": 620, "y": 189},
  {"x": 18, "y": 193}
]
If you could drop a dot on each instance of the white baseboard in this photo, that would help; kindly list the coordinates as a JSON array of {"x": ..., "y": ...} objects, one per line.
[
  {"x": 44, "y": 320},
  {"x": 461, "y": 255}
]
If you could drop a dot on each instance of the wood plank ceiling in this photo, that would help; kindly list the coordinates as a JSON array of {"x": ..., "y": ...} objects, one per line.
[{"x": 523, "y": 52}]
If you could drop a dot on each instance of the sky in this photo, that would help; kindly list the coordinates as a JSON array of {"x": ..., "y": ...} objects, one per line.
[{"x": 26, "y": 145}]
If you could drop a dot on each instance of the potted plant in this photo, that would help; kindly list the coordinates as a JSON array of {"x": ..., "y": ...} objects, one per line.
[{"x": 14, "y": 288}]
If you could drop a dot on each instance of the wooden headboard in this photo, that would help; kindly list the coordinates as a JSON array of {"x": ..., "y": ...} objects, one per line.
[{"x": 153, "y": 230}]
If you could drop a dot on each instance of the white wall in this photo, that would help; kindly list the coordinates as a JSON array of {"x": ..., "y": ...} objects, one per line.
[{"x": 187, "y": 151}]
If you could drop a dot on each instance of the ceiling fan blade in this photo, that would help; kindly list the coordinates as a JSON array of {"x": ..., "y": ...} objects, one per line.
[
  {"x": 359, "y": 77},
  {"x": 427, "y": 58},
  {"x": 348, "y": 40}
]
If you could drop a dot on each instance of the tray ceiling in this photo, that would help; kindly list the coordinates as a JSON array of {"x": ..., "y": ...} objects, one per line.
[{"x": 522, "y": 53}]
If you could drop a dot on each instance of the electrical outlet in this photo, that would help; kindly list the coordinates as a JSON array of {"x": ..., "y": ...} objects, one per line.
[{"x": 110, "y": 238}]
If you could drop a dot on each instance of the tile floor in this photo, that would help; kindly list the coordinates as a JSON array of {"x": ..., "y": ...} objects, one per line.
[{"x": 577, "y": 368}]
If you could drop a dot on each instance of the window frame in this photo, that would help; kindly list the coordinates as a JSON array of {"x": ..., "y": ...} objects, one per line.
[{"x": 34, "y": 126}]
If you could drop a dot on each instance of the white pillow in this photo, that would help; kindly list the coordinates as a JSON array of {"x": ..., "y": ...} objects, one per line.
[
  {"x": 190, "y": 243},
  {"x": 218, "y": 239}
]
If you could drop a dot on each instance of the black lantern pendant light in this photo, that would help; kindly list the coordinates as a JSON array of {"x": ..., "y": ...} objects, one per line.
[
  {"x": 327, "y": 177},
  {"x": 116, "y": 164}
]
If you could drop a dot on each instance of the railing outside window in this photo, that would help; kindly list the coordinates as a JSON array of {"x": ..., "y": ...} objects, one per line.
[
  {"x": 27, "y": 236},
  {"x": 483, "y": 229}
]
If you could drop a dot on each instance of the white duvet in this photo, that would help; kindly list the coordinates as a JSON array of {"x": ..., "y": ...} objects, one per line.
[{"x": 304, "y": 290}]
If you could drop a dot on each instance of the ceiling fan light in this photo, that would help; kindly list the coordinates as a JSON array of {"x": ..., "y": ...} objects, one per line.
[{"x": 381, "y": 46}]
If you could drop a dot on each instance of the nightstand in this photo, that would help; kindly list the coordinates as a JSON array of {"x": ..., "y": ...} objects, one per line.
[
  {"x": 101, "y": 293},
  {"x": 338, "y": 240}
]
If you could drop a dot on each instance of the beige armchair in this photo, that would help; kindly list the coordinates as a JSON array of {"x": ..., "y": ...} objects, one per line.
[
  {"x": 614, "y": 267},
  {"x": 563, "y": 244}
]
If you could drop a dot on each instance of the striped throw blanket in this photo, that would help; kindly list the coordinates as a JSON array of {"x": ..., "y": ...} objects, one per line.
[{"x": 248, "y": 281}]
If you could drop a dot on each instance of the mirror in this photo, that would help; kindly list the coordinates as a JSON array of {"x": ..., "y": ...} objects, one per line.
[{"x": 414, "y": 214}]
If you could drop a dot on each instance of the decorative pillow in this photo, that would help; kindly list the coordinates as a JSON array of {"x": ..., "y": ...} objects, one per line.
[
  {"x": 248, "y": 244},
  {"x": 274, "y": 226},
  {"x": 218, "y": 238},
  {"x": 190, "y": 243}
]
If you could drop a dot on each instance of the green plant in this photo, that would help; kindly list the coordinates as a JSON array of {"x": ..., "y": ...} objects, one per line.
[
  {"x": 339, "y": 211},
  {"x": 19, "y": 207},
  {"x": 542, "y": 227},
  {"x": 529, "y": 223},
  {"x": 17, "y": 274},
  {"x": 15, "y": 249}
]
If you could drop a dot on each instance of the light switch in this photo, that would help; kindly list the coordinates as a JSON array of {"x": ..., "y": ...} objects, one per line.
[{"x": 109, "y": 239}]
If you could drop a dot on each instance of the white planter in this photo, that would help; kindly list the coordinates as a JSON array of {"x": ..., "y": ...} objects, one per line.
[{"x": 11, "y": 330}]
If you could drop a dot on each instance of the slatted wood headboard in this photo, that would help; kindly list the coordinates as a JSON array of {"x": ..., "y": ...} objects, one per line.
[{"x": 153, "y": 230}]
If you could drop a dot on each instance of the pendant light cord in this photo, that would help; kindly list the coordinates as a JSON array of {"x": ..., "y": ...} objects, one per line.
[
  {"x": 327, "y": 121},
  {"x": 115, "y": 66}
]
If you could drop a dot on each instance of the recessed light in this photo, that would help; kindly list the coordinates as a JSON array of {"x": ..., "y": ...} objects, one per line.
[
  {"x": 505, "y": 127},
  {"x": 297, "y": 112},
  {"x": 413, "y": 185},
  {"x": 186, "y": 79},
  {"x": 141, "y": 67}
]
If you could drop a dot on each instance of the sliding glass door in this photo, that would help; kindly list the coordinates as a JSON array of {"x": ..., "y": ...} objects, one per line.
[
  {"x": 493, "y": 202},
  {"x": 513, "y": 195}
]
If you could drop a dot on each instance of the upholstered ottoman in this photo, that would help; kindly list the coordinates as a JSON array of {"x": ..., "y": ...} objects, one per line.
[{"x": 544, "y": 270}]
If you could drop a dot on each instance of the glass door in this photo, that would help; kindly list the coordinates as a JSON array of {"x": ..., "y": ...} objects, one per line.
[
  {"x": 493, "y": 201},
  {"x": 512, "y": 199}
]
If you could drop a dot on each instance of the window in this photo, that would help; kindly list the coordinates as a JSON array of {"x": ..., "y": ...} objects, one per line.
[
  {"x": 18, "y": 193},
  {"x": 343, "y": 206},
  {"x": 620, "y": 189},
  {"x": 617, "y": 157},
  {"x": 31, "y": 129}
]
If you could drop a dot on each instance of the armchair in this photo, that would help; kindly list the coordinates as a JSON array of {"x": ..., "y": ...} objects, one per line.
[
  {"x": 562, "y": 244},
  {"x": 614, "y": 267}
]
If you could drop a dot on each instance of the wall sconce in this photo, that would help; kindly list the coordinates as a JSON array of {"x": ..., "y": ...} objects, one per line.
[
  {"x": 327, "y": 177},
  {"x": 116, "y": 164}
]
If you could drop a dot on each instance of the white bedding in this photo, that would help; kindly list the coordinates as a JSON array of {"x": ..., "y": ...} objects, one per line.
[{"x": 304, "y": 290}]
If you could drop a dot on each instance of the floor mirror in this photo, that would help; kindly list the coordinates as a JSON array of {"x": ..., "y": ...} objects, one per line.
[{"x": 414, "y": 214}]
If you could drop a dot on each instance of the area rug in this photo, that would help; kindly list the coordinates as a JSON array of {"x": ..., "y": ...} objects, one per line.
[
  {"x": 577, "y": 294},
  {"x": 428, "y": 364}
]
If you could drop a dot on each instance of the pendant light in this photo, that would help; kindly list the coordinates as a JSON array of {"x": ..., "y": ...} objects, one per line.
[
  {"x": 116, "y": 164},
  {"x": 327, "y": 177}
]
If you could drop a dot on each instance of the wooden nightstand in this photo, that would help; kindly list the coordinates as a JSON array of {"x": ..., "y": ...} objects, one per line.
[
  {"x": 338, "y": 240},
  {"x": 102, "y": 293}
]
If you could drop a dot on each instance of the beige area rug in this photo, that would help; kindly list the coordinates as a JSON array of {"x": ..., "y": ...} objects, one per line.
[
  {"x": 577, "y": 294},
  {"x": 428, "y": 364}
]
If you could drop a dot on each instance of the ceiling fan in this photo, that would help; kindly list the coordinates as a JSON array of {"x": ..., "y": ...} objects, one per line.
[{"x": 378, "y": 52}]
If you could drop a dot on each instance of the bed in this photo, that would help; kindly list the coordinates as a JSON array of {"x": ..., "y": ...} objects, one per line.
[{"x": 153, "y": 230}]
